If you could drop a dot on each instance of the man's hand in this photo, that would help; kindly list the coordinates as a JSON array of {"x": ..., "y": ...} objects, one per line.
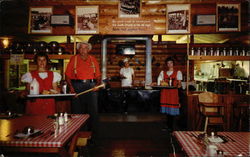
[
  {"x": 71, "y": 90},
  {"x": 95, "y": 89}
]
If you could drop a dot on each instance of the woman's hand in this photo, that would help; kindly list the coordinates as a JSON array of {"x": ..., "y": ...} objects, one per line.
[{"x": 23, "y": 94}]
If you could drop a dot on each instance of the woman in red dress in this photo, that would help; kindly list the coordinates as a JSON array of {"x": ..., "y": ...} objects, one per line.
[
  {"x": 47, "y": 84},
  {"x": 170, "y": 105}
]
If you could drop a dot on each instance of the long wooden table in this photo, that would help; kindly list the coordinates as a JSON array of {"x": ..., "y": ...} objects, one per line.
[
  {"x": 54, "y": 142},
  {"x": 238, "y": 143}
]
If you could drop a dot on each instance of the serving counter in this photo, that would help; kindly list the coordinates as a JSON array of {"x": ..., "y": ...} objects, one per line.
[{"x": 135, "y": 99}]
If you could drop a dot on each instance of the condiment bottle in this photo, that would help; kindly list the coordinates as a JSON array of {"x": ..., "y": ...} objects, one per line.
[
  {"x": 65, "y": 116},
  {"x": 34, "y": 87},
  {"x": 61, "y": 119},
  {"x": 64, "y": 87},
  {"x": 170, "y": 82}
]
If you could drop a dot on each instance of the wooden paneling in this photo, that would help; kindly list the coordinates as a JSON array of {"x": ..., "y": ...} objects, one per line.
[
  {"x": 108, "y": 10},
  {"x": 202, "y": 9}
]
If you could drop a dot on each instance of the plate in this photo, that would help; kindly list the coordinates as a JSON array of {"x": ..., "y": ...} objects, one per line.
[
  {"x": 12, "y": 116},
  {"x": 215, "y": 139},
  {"x": 23, "y": 135}
]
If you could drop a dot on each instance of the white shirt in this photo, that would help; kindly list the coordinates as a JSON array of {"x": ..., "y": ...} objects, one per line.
[
  {"x": 127, "y": 72},
  {"x": 27, "y": 78},
  {"x": 161, "y": 76}
]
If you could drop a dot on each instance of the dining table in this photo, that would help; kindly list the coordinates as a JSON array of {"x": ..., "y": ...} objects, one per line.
[
  {"x": 48, "y": 137},
  {"x": 230, "y": 143}
]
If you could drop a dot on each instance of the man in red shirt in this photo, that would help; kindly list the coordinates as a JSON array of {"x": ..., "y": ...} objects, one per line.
[{"x": 83, "y": 73}]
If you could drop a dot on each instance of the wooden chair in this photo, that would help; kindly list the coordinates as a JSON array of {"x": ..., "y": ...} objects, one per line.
[
  {"x": 79, "y": 141},
  {"x": 241, "y": 113},
  {"x": 211, "y": 109}
]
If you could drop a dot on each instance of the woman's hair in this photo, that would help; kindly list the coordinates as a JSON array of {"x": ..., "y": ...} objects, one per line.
[
  {"x": 41, "y": 54},
  {"x": 169, "y": 59}
]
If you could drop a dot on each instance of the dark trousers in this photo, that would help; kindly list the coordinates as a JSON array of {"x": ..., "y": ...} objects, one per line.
[{"x": 86, "y": 103}]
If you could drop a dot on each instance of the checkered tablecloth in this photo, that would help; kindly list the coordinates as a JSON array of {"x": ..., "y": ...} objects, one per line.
[
  {"x": 239, "y": 143},
  {"x": 44, "y": 124}
]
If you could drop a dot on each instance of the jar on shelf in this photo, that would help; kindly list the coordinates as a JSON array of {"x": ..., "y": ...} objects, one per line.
[
  {"x": 192, "y": 51},
  {"x": 211, "y": 52},
  {"x": 236, "y": 52},
  {"x": 230, "y": 52},
  {"x": 198, "y": 52},
  {"x": 205, "y": 51},
  {"x": 217, "y": 52},
  {"x": 224, "y": 51}
]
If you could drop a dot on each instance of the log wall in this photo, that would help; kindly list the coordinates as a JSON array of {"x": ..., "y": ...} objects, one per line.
[{"x": 18, "y": 11}]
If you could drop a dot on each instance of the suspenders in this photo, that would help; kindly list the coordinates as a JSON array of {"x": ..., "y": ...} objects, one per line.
[{"x": 92, "y": 66}]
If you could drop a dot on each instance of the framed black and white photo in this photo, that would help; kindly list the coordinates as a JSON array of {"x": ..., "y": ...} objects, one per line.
[
  {"x": 228, "y": 17},
  {"x": 87, "y": 20},
  {"x": 178, "y": 18},
  {"x": 205, "y": 20},
  {"x": 129, "y": 8},
  {"x": 61, "y": 20},
  {"x": 39, "y": 20}
]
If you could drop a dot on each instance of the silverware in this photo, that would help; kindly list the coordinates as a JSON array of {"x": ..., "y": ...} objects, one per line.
[{"x": 230, "y": 138}]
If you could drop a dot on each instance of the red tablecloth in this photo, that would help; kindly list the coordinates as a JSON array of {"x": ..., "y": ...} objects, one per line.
[
  {"x": 191, "y": 145},
  {"x": 44, "y": 124}
]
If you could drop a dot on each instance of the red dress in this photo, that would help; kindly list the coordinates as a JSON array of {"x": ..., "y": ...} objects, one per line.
[
  {"x": 40, "y": 106},
  {"x": 170, "y": 97}
]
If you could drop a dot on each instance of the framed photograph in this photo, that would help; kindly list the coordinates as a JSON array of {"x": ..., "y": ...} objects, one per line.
[
  {"x": 87, "y": 20},
  {"x": 228, "y": 17},
  {"x": 205, "y": 20},
  {"x": 129, "y": 8},
  {"x": 39, "y": 20},
  {"x": 61, "y": 20},
  {"x": 178, "y": 18}
]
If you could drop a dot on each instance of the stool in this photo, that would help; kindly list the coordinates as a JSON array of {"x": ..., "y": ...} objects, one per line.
[
  {"x": 211, "y": 109},
  {"x": 242, "y": 111}
]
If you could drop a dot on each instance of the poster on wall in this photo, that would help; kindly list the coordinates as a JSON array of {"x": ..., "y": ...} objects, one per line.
[
  {"x": 87, "y": 20},
  {"x": 39, "y": 20},
  {"x": 129, "y": 8},
  {"x": 178, "y": 18},
  {"x": 228, "y": 17}
]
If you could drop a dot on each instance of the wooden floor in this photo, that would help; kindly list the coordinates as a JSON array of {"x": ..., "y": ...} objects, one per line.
[{"x": 136, "y": 135}]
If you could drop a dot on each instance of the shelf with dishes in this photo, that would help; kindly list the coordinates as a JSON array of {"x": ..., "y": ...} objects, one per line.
[
  {"x": 54, "y": 49},
  {"x": 219, "y": 58},
  {"x": 31, "y": 56}
]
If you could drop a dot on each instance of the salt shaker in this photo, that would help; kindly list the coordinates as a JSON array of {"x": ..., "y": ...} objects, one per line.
[
  {"x": 212, "y": 134},
  {"x": 66, "y": 117},
  {"x": 61, "y": 119}
]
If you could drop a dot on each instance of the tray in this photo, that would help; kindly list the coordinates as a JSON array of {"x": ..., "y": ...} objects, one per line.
[
  {"x": 164, "y": 87},
  {"x": 49, "y": 95}
]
